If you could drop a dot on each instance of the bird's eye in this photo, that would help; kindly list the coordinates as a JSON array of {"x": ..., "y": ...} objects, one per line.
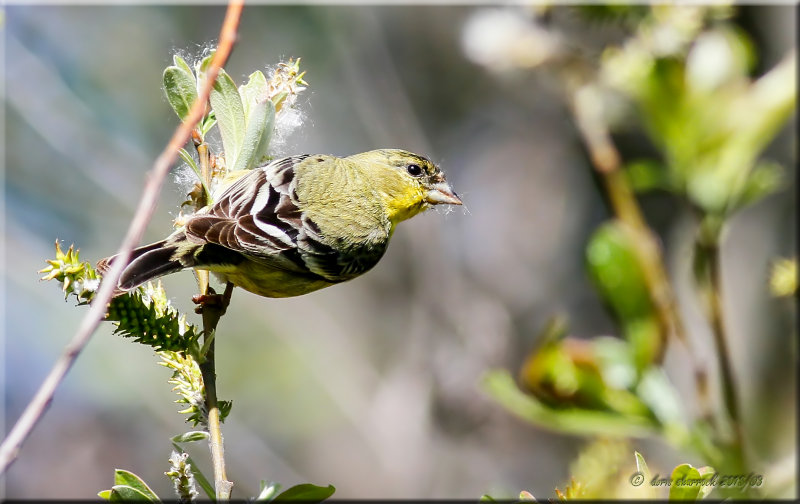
[{"x": 414, "y": 170}]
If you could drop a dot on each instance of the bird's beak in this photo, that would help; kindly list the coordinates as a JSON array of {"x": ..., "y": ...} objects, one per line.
[{"x": 441, "y": 193}]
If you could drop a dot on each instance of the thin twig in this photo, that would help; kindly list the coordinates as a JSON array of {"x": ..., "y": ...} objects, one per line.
[
  {"x": 10, "y": 448},
  {"x": 708, "y": 245}
]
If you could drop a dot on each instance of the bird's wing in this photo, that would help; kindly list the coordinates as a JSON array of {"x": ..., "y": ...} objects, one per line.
[{"x": 259, "y": 216}]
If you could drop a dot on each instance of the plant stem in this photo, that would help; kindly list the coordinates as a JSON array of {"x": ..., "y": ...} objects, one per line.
[
  {"x": 709, "y": 277},
  {"x": 211, "y": 315}
]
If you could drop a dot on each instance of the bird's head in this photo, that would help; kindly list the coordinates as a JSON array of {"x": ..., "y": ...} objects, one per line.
[{"x": 408, "y": 182}]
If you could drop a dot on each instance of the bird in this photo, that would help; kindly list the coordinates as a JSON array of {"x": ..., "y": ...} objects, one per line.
[{"x": 297, "y": 224}]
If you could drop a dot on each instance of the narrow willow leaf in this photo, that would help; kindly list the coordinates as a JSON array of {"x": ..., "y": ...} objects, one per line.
[
  {"x": 208, "y": 122},
  {"x": 127, "y": 478},
  {"x": 255, "y": 90},
  {"x": 180, "y": 87},
  {"x": 228, "y": 108},
  {"x": 641, "y": 466},
  {"x": 188, "y": 437},
  {"x": 189, "y": 160},
  {"x": 124, "y": 493},
  {"x": 260, "y": 120},
  {"x": 257, "y": 136},
  {"x": 306, "y": 492},
  {"x": 261, "y": 153},
  {"x": 181, "y": 63},
  {"x": 201, "y": 67}
]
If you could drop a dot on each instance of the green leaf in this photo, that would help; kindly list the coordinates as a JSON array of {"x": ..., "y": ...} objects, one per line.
[
  {"x": 641, "y": 489},
  {"x": 254, "y": 91},
  {"x": 306, "y": 492},
  {"x": 487, "y": 498},
  {"x": 616, "y": 272},
  {"x": 181, "y": 63},
  {"x": 689, "y": 484},
  {"x": 260, "y": 119},
  {"x": 224, "y": 409},
  {"x": 189, "y": 160},
  {"x": 201, "y": 67},
  {"x": 128, "y": 479},
  {"x": 124, "y": 493},
  {"x": 641, "y": 466},
  {"x": 499, "y": 385},
  {"x": 228, "y": 108},
  {"x": 180, "y": 86},
  {"x": 257, "y": 136},
  {"x": 268, "y": 491},
  {"x": 208, "y": 122},
  {"x": 104, "y": 494},
  {"x": 188, "y": 437}
]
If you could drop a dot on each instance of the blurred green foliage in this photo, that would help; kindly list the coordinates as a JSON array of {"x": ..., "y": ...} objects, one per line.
[{"x": 685, "y": 71}]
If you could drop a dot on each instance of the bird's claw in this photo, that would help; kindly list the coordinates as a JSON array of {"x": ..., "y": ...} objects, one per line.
[{"x": 212, "y": 300}]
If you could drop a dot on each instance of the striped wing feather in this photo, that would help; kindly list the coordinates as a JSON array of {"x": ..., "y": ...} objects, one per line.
[{"x": 259, "y": 217}]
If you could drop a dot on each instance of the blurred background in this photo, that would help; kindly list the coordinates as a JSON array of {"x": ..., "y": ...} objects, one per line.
[{"x": 371, "y": 386}]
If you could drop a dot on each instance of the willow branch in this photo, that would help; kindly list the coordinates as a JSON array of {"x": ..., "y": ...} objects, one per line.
[{"x": 10, "y": 448}]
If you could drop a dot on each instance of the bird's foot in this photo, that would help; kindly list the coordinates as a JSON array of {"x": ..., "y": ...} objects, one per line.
[{"x": 211, "y": 300}]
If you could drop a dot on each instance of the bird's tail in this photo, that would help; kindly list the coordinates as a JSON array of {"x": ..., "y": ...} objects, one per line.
[{"x": 147, "y": 263}]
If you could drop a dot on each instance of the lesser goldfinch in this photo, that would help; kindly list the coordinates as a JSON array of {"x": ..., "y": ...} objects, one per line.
[{"x": 299, "y": 223}]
